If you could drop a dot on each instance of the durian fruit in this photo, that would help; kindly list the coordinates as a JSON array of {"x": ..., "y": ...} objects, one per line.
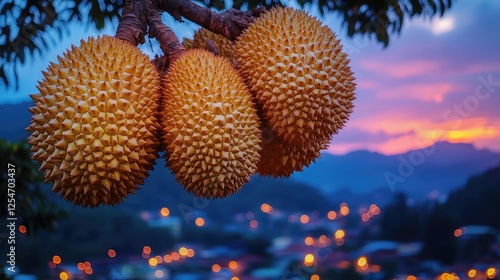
[
  {"x": 298, "y": 72},
  {"x": 281, "y": 160},
  {"x": 203, "y": 38},
  {"x": 94, "y": 126},
  {"x": 210, "y": 124}
]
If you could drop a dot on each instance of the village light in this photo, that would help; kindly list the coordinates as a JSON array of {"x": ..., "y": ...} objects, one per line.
[
  {"x": 111, "y": 253},
  {"x": 88, "y": 270},
  {"x": 365, "y": 217},
  {"x": 309, "y": 259},
  {"x": 339, "y": 234},
  {"x": 146, "y": 250},
  {"x": 304, "y": 219},
  {"x": 216, "y": 268},
  {"x": 362, "y": 261},
  {"x": 309, "y": 241},
  {"x": 491, "y": 272},
  {"x": 472, "y": 273},
  {"x": 266, "y": 208},
  {"x": 159, "y": 259},
  {"x": 152, "y": 262},
  {"x": 199, "y": 222},
  {"x": 52, "y": 264},
  {"x": 63, "y": 276},
  {"x": 165, "y": 212},
  {"x": 332, "y": 215},
  {"x": 233, "y": 265},
  {"x": 158, "y": 273},
  {"x": 183, "y": 251},
  {"x": 254, "y": 224},
  {"x": 56, "y": 259},
  {"x": 167, "y": 258},
  {"x": 190, "y": 253},
  {"x": 344, "y": 210},
  {"x": 22, "y": 229}
]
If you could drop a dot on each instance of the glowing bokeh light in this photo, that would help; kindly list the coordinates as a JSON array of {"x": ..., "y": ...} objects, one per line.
[
  {"x": 362, "y": 261},
  {"x": 159, "y": 259},
  {"x": 332, "y": 215},
  {"x": 153, "y": 262},
  {"x": 254, "y": 224},
  {"x": 304, "y": 219},
  {"x": 22, "y": 229},
  {"x": 111, "y": 253},
  {"x": 183, "y": 251},
  {"x": 63, "y": 275},
  {"x": 309, "y": 241},
  {"x": 309, "y": 259},
  {"x": 344, "y": 210},
  {"x": 216, "y": 268},
  {"x": 199, "y": 222},
  {"x": 190, "y": 253},
  {"x": 56, "y": 259},
  {"x": 158, "y": 273},
  {"x": 165, "y": 212},
  {"x": 167, "y": 258},
  {"x": 266, "y": 208},
  {"x": 233, "y": 265},
  {"x": 491, "y": 272}
]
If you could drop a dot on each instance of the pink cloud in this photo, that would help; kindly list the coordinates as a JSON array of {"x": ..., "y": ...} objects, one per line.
[
  {"x": 403, "y": 69},
  {"x": 366, "y": 84},
  {"x": 434, "y": 92}
]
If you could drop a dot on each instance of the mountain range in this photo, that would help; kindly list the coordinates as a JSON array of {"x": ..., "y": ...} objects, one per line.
[
  {"x": 430, "y": 171},
  {"x": 440, "y": 167}
]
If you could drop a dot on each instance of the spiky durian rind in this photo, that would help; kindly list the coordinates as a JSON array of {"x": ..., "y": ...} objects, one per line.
[
  {"x": 94, "y": 124},
  {"x": 279, "y": 159},
  {"x": 211, "y": 128},
  {"x": 298, "y": 72},
  {"x": 203, "y": 38}
]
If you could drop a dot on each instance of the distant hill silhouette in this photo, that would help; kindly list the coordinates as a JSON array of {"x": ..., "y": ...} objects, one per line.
[
  {"x": 16, "y": 118},
  {"x": 477, "y": 202},
  {"x": 442, "y": 167}
]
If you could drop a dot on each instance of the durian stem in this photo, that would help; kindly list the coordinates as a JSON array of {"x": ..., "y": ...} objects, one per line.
[
  {"x": 131, "y": 28},
  {"x": 230, "y": 23},
  {"x": 138, "y": 15},
  {"x": 169, "y": 42}
]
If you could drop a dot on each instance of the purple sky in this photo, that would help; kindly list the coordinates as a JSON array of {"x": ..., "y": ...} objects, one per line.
[{"x": 438, "y": 80}]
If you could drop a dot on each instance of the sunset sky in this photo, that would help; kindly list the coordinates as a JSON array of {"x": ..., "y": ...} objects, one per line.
[{"x": 439, "y": 80}]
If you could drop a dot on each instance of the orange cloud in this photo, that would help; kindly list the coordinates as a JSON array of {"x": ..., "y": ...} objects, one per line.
[{"x": 480, "y": 131}]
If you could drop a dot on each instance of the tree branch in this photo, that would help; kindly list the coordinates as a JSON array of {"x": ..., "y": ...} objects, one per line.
[
  {"x": 230, "y": 23},
  {"x": 132, "y": 26},
  {"x": 139, "y": 15}
]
